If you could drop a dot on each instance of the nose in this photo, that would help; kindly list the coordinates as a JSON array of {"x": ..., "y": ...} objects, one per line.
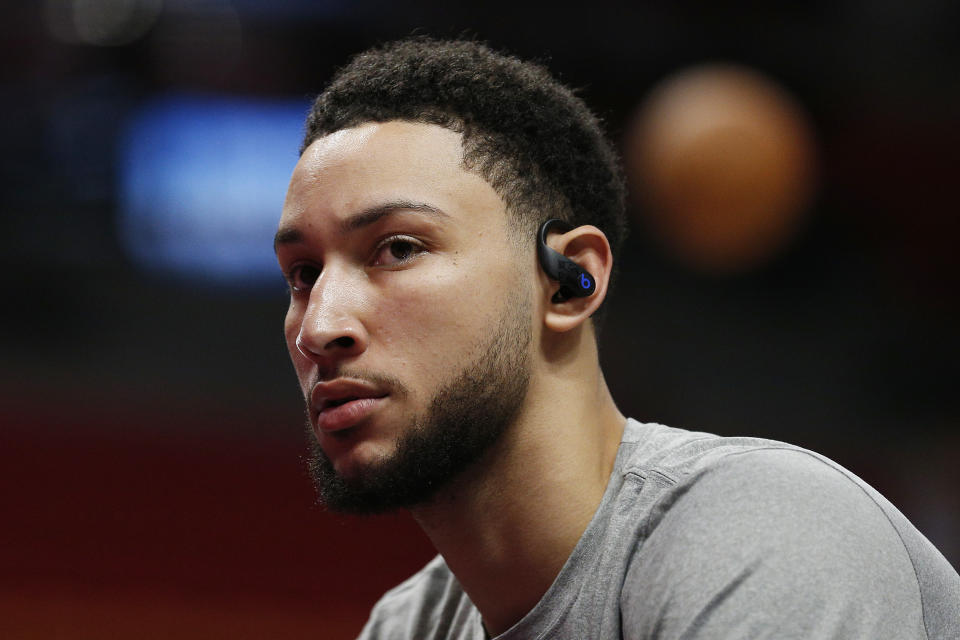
[{"x": 331, "y": 328}]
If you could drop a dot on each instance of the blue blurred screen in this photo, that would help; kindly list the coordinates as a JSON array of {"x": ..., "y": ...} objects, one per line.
[{"x": 202, "y": 183}]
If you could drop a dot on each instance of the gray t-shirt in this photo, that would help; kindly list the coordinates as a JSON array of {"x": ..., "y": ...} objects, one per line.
[{"x": 700, "y": 536}]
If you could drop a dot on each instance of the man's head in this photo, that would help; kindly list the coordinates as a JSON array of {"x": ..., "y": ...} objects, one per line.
[
  {"x": 407, "y": 236},
  {"x": 529, "y": 137}
]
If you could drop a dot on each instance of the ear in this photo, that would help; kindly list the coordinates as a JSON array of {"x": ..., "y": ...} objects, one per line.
[{"x": 588, "y": 247}]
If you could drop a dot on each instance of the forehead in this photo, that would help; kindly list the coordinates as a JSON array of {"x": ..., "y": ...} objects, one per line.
[{"x": 365, "y": 166}]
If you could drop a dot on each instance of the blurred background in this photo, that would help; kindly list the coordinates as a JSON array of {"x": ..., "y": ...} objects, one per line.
[{"x": 791, "y": 273}]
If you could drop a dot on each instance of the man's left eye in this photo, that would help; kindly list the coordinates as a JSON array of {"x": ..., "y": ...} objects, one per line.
[{"x": 397, "y": 251}]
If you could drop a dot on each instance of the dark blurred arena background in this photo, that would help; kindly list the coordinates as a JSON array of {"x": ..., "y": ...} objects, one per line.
[{"x": 792, "y": 272}]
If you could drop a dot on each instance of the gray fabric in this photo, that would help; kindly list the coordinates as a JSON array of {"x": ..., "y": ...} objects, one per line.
[{"x": 699, "y": 536}]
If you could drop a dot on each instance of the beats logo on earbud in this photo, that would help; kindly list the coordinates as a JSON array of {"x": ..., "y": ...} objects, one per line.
[{"x": 575, "y": 281}]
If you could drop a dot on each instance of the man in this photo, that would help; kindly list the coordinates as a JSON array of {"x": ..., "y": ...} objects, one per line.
[{"x": 444, "y": 374}]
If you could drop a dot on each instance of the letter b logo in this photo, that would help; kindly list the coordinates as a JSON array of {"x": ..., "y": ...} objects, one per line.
[{"x": 584, "y": 281}]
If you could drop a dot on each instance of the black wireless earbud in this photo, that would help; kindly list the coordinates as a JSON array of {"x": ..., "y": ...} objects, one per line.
[{"x": 575, "y": 281}]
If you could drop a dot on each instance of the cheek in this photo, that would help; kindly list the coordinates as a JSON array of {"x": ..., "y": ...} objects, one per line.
[
  {"x": 415, "y": 321},
  {"x": 291, "y": 329},
  {"x": 432, "y": 323},
  {"x": 290, "y": 324}
]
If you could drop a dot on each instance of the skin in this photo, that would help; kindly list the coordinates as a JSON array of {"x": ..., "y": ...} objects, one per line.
[{"x": 411, "y": 317}]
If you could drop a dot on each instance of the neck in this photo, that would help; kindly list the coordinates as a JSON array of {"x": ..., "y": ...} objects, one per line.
[{"x": 506, "y": 526}]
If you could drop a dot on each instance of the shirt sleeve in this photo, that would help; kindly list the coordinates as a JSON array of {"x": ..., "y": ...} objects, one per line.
[{"x": 773, "y": 543}]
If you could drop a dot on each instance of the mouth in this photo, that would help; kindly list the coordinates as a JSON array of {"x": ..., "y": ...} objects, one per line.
[{"x": 337, "y": 414}]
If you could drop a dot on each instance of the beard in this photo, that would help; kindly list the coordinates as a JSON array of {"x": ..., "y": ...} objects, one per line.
[{"x": 465, "y": 418}]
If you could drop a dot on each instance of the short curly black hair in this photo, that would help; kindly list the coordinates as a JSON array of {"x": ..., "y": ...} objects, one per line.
[{"x": 534, "y": 141}]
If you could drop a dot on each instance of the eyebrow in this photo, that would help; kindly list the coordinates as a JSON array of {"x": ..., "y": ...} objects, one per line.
[{"x": 364, "y": 218}]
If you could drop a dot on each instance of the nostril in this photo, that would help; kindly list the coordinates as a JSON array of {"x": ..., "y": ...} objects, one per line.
[
  {"x": 316, "y": 346},
  {"x": 344, "y": 341}
]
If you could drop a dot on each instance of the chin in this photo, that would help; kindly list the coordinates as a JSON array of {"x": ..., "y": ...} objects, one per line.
[
  {"x": 358, "y": 464},
  {"x": 355, "y": 454}
]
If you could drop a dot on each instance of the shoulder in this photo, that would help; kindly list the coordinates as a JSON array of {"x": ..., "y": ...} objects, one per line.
[
  {"x": 429, "y": 604},
  {"x": 751, "y": 534}
]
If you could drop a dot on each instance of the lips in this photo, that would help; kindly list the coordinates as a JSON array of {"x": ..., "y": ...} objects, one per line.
[{"x": 341, "y": 404}]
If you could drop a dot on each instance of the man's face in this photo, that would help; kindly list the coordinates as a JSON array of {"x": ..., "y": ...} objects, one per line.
[{"x": 410, "y": 314}]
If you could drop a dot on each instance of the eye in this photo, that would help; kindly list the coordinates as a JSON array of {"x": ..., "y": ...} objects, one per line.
[
  {"x": 397, "y": 250},
  {"x": 302, "y": 277}
]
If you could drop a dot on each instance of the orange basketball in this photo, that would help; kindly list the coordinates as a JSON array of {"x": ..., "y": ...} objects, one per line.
[{"x": 722, "y": 161}]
